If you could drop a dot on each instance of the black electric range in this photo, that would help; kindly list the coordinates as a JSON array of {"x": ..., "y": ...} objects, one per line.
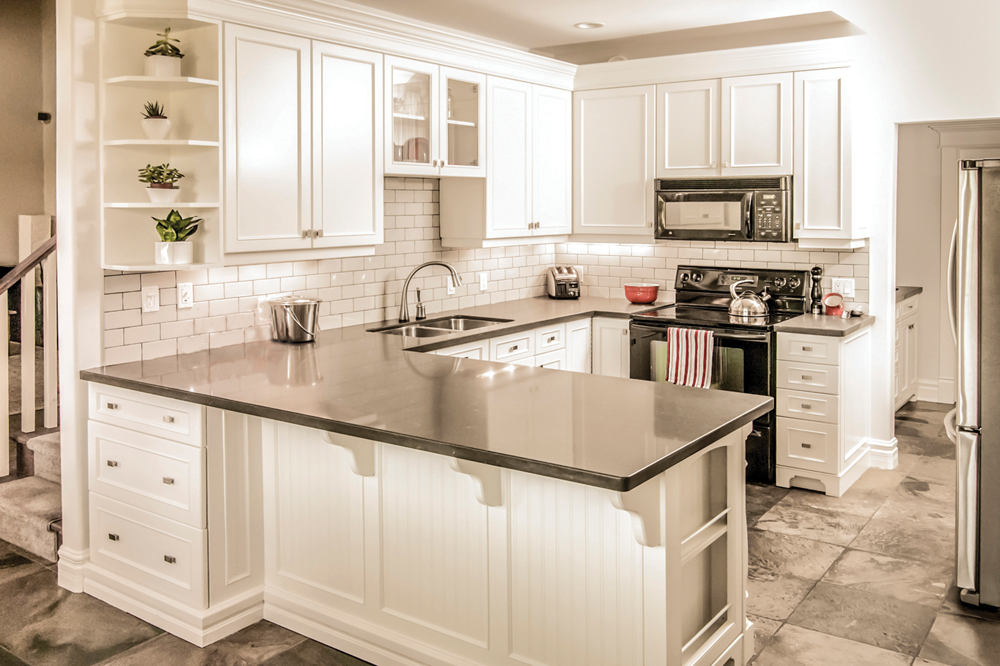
[{"x": 745, "y": 353}]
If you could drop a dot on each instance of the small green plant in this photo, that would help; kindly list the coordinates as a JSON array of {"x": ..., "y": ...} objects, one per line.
[
  {"x": 174, "y": 228},
  {"x": 159, "y": 176},
  {"x": 154, "y": 110},
  {"x": 163, "y": 47}
]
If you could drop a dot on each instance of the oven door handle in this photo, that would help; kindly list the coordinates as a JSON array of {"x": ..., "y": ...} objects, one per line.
[{"x": 749, "y": 337}]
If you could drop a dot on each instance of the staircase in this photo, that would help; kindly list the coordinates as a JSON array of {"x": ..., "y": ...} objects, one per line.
[{"x": 30, "y": 492}]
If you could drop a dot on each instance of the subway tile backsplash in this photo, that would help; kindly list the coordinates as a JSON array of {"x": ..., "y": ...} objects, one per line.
[{"x": 365, "y": 290}]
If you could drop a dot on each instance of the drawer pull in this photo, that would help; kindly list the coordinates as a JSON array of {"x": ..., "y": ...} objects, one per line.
[
  {"x": 807, "y": 378},
  {"x": 807, "y": 349},
  {"x": 553, "y": 338},
  {"x": 114, "y": 537},
  {"x": 806, "y": 446},
  {"x": 169, "y": 559},
  {"x": 112, "y": 405},
  {"x": 513, "y": 349},
  {"x": 168, "y": 481},
  {"x": 804, "y": 406},
  {"x": 168, "y": 419},
  {"x": 112, "y": 463}
]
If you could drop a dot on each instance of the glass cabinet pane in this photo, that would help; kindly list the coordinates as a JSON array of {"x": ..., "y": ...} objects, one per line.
[
  {"x": 411, "y": 121},
  {"x": 462, "y": 114}
]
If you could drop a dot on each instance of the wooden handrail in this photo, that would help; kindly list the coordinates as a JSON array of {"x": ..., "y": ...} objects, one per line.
[{"x": 32, "y": 260}]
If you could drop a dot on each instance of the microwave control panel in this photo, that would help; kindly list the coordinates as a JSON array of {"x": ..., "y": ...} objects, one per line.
[{"x": 771, "y": 216}]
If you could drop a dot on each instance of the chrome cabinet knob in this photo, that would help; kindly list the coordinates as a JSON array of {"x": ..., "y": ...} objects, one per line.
[
  {"x": 114, "y": 537},
  {"x": 169, "y": 559},
  {"x": 112, "y": 463},
  {"x": 167, "y": 481}
]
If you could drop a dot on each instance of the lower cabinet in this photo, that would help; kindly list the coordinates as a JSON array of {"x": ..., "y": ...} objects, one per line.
[
  {"x": 611, "y": 347},
  {"x": 563, "y": 346},
  {"x": 905, "y": 360}
]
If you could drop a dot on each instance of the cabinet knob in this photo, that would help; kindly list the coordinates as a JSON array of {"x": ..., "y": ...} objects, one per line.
[
  {"x": 112, "y": 405},
  {"x": 167, "y": 481},
  {"x": 114, "y": 537},
  {"x": 806, "y": 446},
  {"x": 911, "y": 327},
  {"x": 169, "y": 559},
  {"x": 168, "y": 419},
  {"x": 112, "y": 463}
]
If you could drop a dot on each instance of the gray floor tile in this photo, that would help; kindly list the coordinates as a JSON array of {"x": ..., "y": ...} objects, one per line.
[
  {"x": 810, "y": 523},
  {"x": 14, "y": 565},
  {"x": 763, "y": 631},
  {"x": 859, "y": 502},
  {"x": 861, "y": 616},
  {"x": 928, "y": 468},
  {"x": 760, "y": 499},
  {"x": 906, "y": 580},
  {"x": 7, "y": 659},
  {"x": 953, "y": 604},
  {"x": 923, "y": 662},
  {"x": 311, "y": 653},
  {"x": 912, "y": 527},
  {"x": 775, "y": 596},
  {"x": 933, "y": 447},
  {"x": 784, "y": 554},
  {"x": 795, "y": 646},
  {"x": 963, "y": 641}
]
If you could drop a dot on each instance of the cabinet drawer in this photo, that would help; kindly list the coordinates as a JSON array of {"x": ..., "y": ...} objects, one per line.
[
  {"x": 163, "y": 417},
  {"x": 811, "y": 348},
  {"x": 550, "y": 338},
  {"x": 476, "y": 350},
  {"x": 906, "y": 308},
  {"x": 150, "y": 550},
  {"x": 154, "y": 474},
  {"x": 512, "y": 347},
  {"x": 809, "y": 377},
  {"x": 809, "y": 406},
  {"x": 807, "y": 445},
  {"x": 554, "y": 360}
]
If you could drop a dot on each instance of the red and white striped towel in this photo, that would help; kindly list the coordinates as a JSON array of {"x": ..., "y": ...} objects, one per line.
[{"x": 689, "y": 357}]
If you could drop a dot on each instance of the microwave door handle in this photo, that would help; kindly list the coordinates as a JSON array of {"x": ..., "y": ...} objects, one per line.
[{"x": 747, "y": 209}]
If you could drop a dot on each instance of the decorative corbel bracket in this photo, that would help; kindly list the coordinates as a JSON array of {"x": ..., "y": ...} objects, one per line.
[
  {"x": 362, "y": 452},
  {"x": 643, "y": 504},
  {"x": 485, "y": 480}
]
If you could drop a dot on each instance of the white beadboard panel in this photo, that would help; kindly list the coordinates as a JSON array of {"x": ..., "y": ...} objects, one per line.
[
  {"x": 318, "y": 508},
  {"x": 576, "y": 576},
  {"x": 434, "y": 545}
]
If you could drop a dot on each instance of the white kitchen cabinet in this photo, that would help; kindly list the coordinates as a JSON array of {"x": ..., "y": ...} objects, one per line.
[
  {"x": 611, "y": 347},
  {"x": 687, "y": 129},
  {"x": 614, "y": 159},
  {"x": 462, "y": 136},
  {"x": 479, "y": 350},
  {"x": 756, "y": 116},
  {"x": 906, "y": 349},
  {"x": 508, "y": 189},
  {"x": 823, "y": 410},
  {"x": 578, "y": 345},
  {"x": 551, "y": 161}
]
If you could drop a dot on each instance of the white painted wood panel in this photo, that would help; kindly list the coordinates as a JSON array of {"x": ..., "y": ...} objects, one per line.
[
  {"x": 757, "y": 125},
  {"x": 809, "y": 377},
  {"x": 552, "y": 160},
  {"x": 268, "y": 140},
  {"x": 478, "y": 350},
  {"x": 147, "y": 413},
  {"x": 611, "y": 347},
  {"x": 578, "y": 346},
  {"x": 463, "y": 148},
  {"x": 423, "y": 125},
  {"x": 509, "y": 135},
  {"x": 687, "y": 129},
  {"x": 808, "y": 445},
  {"x": 855, "y": 418},
  {"x": 820, "y": 349},
  {"x": 808, "y": 406}
]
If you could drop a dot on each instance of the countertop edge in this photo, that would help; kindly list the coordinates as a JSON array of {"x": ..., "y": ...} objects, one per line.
[
  {"x": 832, "y": 329},
  {"x": 903, "y": 293}
]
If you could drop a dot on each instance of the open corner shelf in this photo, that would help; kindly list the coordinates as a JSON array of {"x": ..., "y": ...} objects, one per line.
[
  {"x": 161, "y": 142},
  {"x": 160, "y": 83},
  {"x": 159, "y": 267},
  {"x": 146, "y": 204},
  {"x": 461, "y": 123}
]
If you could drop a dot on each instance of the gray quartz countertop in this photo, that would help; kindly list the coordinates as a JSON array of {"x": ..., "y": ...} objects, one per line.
[
  {"x": 811, "y": 324},
  {"x": 903, "y": 293},
  {"x": 601, "y": 431}
]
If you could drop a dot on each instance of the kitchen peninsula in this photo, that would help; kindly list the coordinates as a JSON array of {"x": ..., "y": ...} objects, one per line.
[{"x": 415, "y": 508}]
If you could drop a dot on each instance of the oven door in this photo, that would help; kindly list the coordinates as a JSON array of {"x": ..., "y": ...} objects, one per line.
[{"x": 709, "y": 215}]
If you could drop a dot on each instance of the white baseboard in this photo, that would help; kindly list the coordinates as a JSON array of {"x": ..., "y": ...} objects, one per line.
[
  {"x": 72, "y": 564},
  {"x": 940, "y": 390},
  {"x": 883, "y": 454}
]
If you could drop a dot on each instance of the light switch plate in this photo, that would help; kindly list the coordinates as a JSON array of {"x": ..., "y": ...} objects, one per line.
[
  {"x": 451, "y": 284},
  {"x": 844, "y": 287},
  {"x": 483, "y": 284},
  {"x": 151, "y": 299},
  {"x": 185, "y": 295}
]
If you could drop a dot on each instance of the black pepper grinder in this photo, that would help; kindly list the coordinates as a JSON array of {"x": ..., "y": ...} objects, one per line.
[{"x": 817, "y": 291}]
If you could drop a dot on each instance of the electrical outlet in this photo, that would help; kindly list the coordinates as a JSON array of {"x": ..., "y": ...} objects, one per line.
[
  {"x": 483, "y": 284},
  {"x": 844, "y": 287},
  {"x": 451, "y": 284},
  {"x": 151, "y": 299},
  {"x": 185, "y": 295}
]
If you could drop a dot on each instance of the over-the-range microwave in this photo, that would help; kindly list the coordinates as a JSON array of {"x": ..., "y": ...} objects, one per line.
[{"x": 724, "y": 209}]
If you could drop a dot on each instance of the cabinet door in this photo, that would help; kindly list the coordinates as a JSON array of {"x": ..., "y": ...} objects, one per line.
[
  {"x": 347, "y": 146},
  {"x": 687, "y": 129},
  {"x": 822, "y": 173},
  {"x": 910, "y": 333},
  {"x": 552, "y": 161},
  {"x": 463, "y": 123},
  {"x": 411, "y": 110},
  {"x": 899, "y": 363},
  {"x": 578, "y": 346},
  {"x": 611, "y": 347},
  {"x": 757, "y": 125},
  {"x": 508, "y": 149},
  {"x": 267, "y": 140},
  {"x": 613, "y": 161}
]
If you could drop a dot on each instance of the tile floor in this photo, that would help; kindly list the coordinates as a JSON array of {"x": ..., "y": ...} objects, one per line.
[{"x": 864, "y": 580}]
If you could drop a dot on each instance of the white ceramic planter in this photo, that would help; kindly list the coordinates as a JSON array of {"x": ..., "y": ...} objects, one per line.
[
  {"x": 156, "y": 129},
  {"x": 163, "y": 66},
  {"x": 181, "y": 252},
  {"x": 162, "y": 195}
]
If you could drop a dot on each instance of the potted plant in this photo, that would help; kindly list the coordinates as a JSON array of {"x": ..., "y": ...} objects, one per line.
[
  {"x": 174, "y": 246},
  {"x": 161, "y": 180},
  {"x": 155, "y": 123},
  {"x": 163, "y": 59}
]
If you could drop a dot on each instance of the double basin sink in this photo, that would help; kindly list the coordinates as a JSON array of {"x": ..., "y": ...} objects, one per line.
[{"x": 430, "y": 327}]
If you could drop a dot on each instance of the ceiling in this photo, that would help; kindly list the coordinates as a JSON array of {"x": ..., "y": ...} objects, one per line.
[{"x": 633, "y": 28}]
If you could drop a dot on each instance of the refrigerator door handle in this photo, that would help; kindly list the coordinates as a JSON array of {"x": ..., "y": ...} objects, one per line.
[
  {"x": 952, "y": 284},
  {"x": 949, "y": 425},
  {"x": 967, "y": 299}
]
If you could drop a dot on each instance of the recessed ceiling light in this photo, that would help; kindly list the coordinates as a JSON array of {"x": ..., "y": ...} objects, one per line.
[{"x": 588, "y": 26}]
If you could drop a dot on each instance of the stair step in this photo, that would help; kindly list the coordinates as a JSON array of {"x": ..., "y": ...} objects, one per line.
[
  {"x": 47, "y": 456},
  {"x": 28, "y": 508}
]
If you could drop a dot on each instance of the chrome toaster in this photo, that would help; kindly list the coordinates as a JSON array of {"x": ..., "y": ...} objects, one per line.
[{"x": 562, "y": 282}]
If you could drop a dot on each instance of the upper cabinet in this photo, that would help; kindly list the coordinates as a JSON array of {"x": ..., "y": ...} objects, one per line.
[
  {"x": 687, "y": 127},
  {"x": 757, "y": 125},
  {"x": 613, "y": 161},
  {"x": 552, "y": 160},
  {"x": 434, "y": 121}
]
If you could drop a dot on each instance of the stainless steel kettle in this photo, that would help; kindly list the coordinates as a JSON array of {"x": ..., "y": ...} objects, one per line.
[{"x": 748, "y": 304}]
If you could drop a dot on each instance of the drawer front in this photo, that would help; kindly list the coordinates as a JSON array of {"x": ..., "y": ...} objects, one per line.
[
  {"x": 513, "y": 347},
  {"x": 163, "y": 417},
  {"x": 809, "y": 406},
  {"x": 809, "y": 377},
  {"x": 150, "y": 550},
  {"x": 906, "y": 308},
  {"x": 809, "y": 348},
  {"x": 477, "y": 351},
  {"x": 151, "y": 473},
  {"x": 550, "y": 338},
  {"x": 807, "y": 445},
  {"x": 554, "y": 360}
]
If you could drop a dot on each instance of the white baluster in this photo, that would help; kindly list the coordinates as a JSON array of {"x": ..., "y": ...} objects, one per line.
[{"x": 51, "y": 358}]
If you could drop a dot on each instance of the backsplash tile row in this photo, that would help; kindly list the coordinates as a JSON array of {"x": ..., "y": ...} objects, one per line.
[{"x": 365, "y": 290}]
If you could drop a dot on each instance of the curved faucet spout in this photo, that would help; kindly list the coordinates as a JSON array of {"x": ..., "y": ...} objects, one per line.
[{"x": 404, "y": 312}]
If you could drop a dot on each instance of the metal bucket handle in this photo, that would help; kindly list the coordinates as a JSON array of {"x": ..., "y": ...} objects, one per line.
[{"x": 295, "y": 319}]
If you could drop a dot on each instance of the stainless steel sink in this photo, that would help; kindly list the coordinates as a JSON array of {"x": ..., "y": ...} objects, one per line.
[
  {"x": 411, "y": 331},
  {"x": 462, "y": 323}
]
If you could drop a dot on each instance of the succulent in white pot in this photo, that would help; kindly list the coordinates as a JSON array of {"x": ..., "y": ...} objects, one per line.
[
  {"x": 163, "y": 59},
  {"x": 155, "y": 123},
  {"x": 162, "y": 181},
  {"x": 174, "y": 246}
]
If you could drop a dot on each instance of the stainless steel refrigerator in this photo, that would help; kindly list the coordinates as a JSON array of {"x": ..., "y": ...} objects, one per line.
[{"x": 974, "y": 424}]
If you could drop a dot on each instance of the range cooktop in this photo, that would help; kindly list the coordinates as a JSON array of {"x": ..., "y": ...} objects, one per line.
[{"x": 707, "y": 317}]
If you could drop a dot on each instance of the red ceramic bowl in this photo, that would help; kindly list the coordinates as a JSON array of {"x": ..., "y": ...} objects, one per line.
[{"x": 641, "y": 292}]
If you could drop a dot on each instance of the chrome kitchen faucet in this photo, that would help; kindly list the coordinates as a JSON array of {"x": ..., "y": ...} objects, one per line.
[{"x": 404, "y": 313}]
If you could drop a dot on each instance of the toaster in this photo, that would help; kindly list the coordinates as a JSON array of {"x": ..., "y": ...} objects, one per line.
[{"x": 562, "y": 282}]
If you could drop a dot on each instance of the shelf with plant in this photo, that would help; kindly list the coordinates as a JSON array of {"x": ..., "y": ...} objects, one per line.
[{"x": 132, "y": 238}]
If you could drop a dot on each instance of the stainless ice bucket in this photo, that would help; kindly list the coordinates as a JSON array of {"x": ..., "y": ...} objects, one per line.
[{"x": 294, "y": 318}]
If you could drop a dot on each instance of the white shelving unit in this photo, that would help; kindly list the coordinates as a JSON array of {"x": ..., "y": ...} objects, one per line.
[{"x": 193, "y": 104}]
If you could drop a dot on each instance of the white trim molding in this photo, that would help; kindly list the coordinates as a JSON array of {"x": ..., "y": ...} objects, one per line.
[
  {"x": 71, "y": 568},
  {"x": 936, "y": 390},
  {"x": 883, "y": 454}
]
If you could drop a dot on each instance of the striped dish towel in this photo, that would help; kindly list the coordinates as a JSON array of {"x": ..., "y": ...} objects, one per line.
[{"x": 685, "y": 357}]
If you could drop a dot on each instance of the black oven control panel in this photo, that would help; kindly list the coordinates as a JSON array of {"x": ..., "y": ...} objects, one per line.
[
  {"x": 771, "y": 216},
  {"x": 705, "y": 280}
]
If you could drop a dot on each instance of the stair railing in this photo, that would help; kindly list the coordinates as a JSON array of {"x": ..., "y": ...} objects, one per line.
[{"x": 36, "y": 245}]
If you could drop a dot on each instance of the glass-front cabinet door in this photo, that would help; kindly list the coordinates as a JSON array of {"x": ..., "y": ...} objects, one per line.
[
  {"x": 412, "y": 107},
  {"x": 463, "y": 113}
]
